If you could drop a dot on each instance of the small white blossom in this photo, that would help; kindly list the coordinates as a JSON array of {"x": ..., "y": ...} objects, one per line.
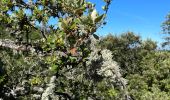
[{"x": 94, "y": 15}]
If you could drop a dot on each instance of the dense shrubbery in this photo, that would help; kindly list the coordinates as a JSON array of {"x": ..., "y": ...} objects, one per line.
[
  {"x": 128, "y": 50},
  {"x": 69, "y": 61},
  {"x": 153, "y": 81},
  {"x": 145, "y": 67}
]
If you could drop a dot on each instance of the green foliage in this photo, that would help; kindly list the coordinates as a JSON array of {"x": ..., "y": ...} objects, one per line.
[
  {"x": 63, "y": 61},
  {"x": 153, "y": 79},
  {"x": 166, "y": 30},
  {"x": 128, "y": 50},
  {"x": 145, "y": 68}
]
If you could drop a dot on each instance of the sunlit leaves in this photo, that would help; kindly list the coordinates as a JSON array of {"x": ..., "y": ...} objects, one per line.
[
  {"x": 35, "y": 80},
  {"x": 99, "y": 18},
  {"x": 94, "y": 15}
]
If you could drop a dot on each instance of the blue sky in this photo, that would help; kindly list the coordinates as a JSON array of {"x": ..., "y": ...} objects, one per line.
[{"x": 144, "y": 17}]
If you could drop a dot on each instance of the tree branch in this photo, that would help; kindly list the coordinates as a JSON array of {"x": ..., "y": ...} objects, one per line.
[{"x": 6, "y": 43}]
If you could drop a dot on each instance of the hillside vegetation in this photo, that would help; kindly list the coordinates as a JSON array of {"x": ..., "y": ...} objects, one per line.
[{"x": 68, "y": 61}]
